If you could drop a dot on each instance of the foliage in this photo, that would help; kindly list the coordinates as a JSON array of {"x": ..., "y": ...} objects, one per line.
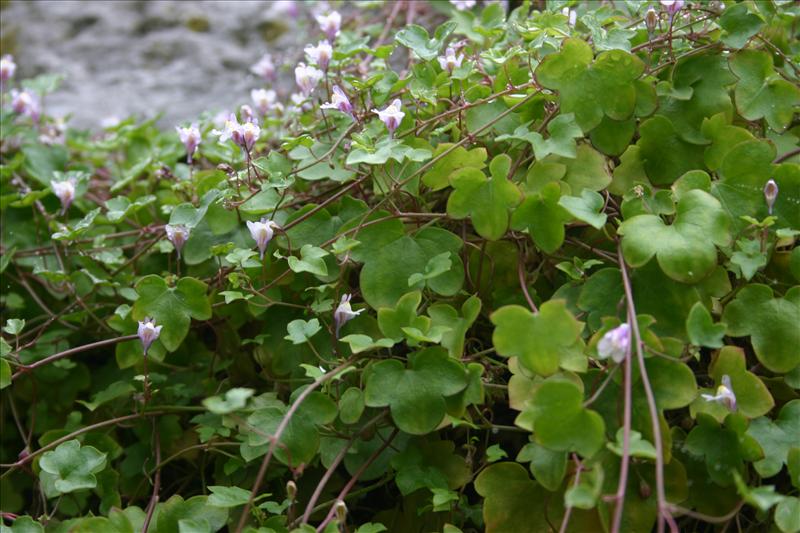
[{"x": 554, "y": 285}]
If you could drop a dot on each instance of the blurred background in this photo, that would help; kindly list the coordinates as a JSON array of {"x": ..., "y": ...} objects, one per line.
[{"x": 174, "y": 57}]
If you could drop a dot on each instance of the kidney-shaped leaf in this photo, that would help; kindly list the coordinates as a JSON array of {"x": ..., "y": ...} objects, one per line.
[{"x": 71, "y": 467}]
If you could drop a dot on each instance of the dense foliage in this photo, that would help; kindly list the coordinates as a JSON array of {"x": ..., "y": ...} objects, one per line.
[{"x": 532, "y": 270}]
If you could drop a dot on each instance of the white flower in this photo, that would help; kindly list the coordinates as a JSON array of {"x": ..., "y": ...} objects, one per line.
[
  {"x": 7, "y": 68},
  {"x": 615, "y": 343},
  {"x": 177, "y": 235},
  {"x": 263, "y": 99},
  {"x": 344, "y": 313},
  {"x": 571, "y": 14},
  {"x": 339, "y": 101},
  {"x": 262, "y": 233},
  {"x": 320, "y": 55},
  {"x": 245, "y": 135},
  {"x": 391, "y": 116},
  {"x": 190, "y": 137},
  {"x": 65, "y": 190},
  {"x": 230, "y": 129},
  {"x": 449, "y": 61},
  {"x": 250, "y": 133},
  {"x": 148, "y": 332},
  {"x": 463, "y": 5},
  {"x": 264, "y": 68},
  {"x": 330, "y": 24},
  {"x": 724, "y": 394},
  {"x": 307, "y": 77},
  {"x": 246, "y": 114},
  {"x": 24, "y": 103},
  {"x": 672, "y": 7}
]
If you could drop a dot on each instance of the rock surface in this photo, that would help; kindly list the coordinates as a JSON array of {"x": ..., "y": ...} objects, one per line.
[{"x": 139, "y": 57}]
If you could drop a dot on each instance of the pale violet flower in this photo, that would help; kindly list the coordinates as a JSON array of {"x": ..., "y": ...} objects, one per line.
[
  {"x": 148, "y": 332},
  {"x": 672, "y": 7},
  {"x": 286, "y": 7},
  {"x": 307, "y": 78},
  {"x": 24, "y": 103},
  {"x": 615, "y": 343},
  {"x": 65, "y": 190},
  {"x": 263, "y": 99},
  {"x": 391, "y": 116},
  {"x": 245, "y": 135},
  {"x": 299, "y": 103},
  {"x": 264, "y": 68},
  {"x": 463, "y": 5},
  {"x": 7, "y": 68},
  {"x": 344, "y": 313},
  {"x": 262, "y": 233},
  {"x": 246, "y": 114},
  {"x": 449, "y": 61},
  {"x": 724, "y": 394},
  {"x": 177, "y": 235},
  {"x": 771, "y": 194},
  {"x": 339, "y": 101},
  {"x": 571, "y": 14},
  {"x": 190, "y": 137},
  {"x": 330, "y": 24},
  {"x": 320, "y": 55}
]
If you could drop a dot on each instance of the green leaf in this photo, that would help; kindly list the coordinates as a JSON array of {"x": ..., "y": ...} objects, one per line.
[
  {"x": 362, "y": 343},
  {"x": 445, "y": 316},
  {"x": 749, "y": 257},
  {"x": 416, "y": 38},
  {"x": 178, "y": 516},
  {"x": 701, "y": 328},
  {"x": 118, "y": 389},
  {"x": 351, "y": 405},
  {"x": 770, "y": 322},
  {"x": 685, "y": 250},
  {"x": 415, "y": 395},
  {"x": 739, "y": 25},
  {"x": 14, "y": 326},
  {"x": 542, "y": 341},
  {"x": 311, "y": 261},
  {"x": 171, "y": 307},
  {"x": 563, "y": 132},
  {"x": 761, "y": 92},
  {"x": 591, "y": 89},
  {"x": 23, "y": 524},
  {"x": 719, "y": 447},
  {"x": 301, "y": 331},
  {"x": 438, "y": 177},
  {"x": 787, "y": 515},
  {"x": 776, "y": 438},
  {"x": 559, "y": 420},
  {"x": 70, "y": 467},
  {"x": 494, "y": 453},
  {"x": 5, "y": 374},
  {"x": 587, "y": 208},
  {"x": 762, "y": 498},
  {"x": 666, "y": 156},
  {"x": 391, "y": 321},
  {"x": 637, "y": 446},
  {"x": 121, "y": 207},
  {"x": 544, "y": 218},
  {"x": 234, "y": 400},
  {"x": 486, "y": 200},
  {"x": 437, "y": 265},
  {"x": 227, "y": 496},
  {"x": 430, "y": 464},
  {"x": 69, "y": 233},
  {"x": 547, "y": 466}
]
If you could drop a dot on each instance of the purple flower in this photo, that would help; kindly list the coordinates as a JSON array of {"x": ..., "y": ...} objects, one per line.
[
  {"x": 463, "y": 5},
  {"x": 672, "y": 7},
  {"x": 391, "y": 116},
  {"x": 339, "y": 101},
  {"x": 771, "y": 194},
  {"x": 190, "y": 137},
  {"x": 7, "y": 68},
  {"x": 449, "y": 61},
  {"x": 148, "y": 332},
  {"x": 615, "y": 343},
  {"x": 264, "y": 68},
  {"x": 24, "y": 103},
  {"x": 245, "y": 135},
  {"x": 263, "y": 99},
  {"x": 246, "y": 114},
  {"x": 330, "y": 24},
  {"x": 177, "y": 235},
  {"x": 262, "y": 233},
  {"x": 65, "y": 190},
  {"x": 320, "y": 55},
  {"x": 307, "y": 78},
  {"x": 344, "y": 313},
  {"x": 724, "y": 394}
]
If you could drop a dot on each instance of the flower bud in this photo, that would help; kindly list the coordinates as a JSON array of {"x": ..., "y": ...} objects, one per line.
[
  {"x": 190, "y": 137},
  {"x": 770, "y": 194},
  {"x": 651, "y": 20},
  {"x": 291, "y": 490},
  {"x": 341, "y": 511}
]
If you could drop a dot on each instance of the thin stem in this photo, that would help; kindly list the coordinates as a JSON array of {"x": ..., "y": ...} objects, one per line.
[
  {"x": 568, "y": 511},
  {"x": 277, "y": 437},
  {"x": 626, "y": 433},
  {"x": 151, "y": 507},
  {"x": 663, "y": 505}
]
